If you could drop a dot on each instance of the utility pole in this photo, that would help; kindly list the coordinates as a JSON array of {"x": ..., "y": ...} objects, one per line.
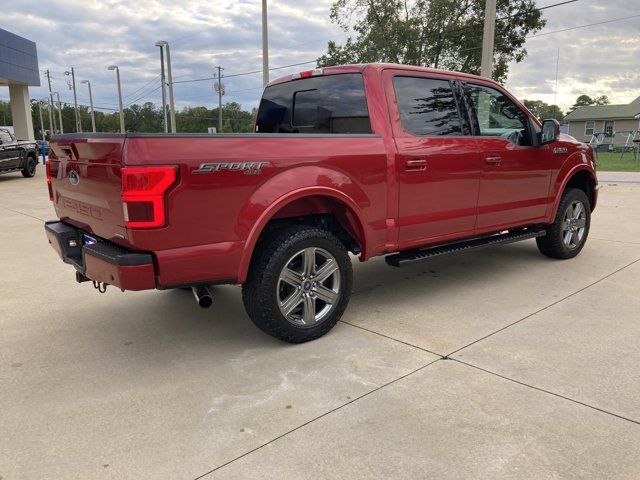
[
  {"x": 219, "y": 87},
  {"x": 52, "y": 117},
  {"x": 93, "y": 116},
  {"x": 115, "y": 67},
  {"x": 172, "y": 110},
  {"x": 486, "y": 68},
  {"x": 265, "y": 45},
  {"x": 164, "y": 85},
  {"x": 59, "y": 112},
  {"x": 75, "y": 99}
]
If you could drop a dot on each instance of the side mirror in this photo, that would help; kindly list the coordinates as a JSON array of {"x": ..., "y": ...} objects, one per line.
[{"x": 550, "y": 131}]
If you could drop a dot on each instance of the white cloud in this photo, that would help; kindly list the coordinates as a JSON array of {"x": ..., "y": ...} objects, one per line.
[
  {"x": 597, "y": 60},
  {"x": 90, "y": 35}
]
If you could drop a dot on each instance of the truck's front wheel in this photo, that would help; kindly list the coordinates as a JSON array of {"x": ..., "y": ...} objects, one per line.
[
  {"x": 299, "y": 284},
  {"x": 568, "y": 233}
]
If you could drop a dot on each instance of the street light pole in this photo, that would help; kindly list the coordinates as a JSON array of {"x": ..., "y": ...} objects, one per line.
[
  {"x": 265, "y": 45},
  {"x": 93, "y": 116},
  {"x": 486, "y": 67},
  {"x": 115, "y": 67},
  {"x": 172, "y": 110},
  {"x": 75, "y": 100},
  {"x": 52, "y": 116},
  {"x": 40, "y": 113},
  {"x": 59, "y": 112},
  {"x": 52, "y": 127},
  {"x": 219, "y": 87},
  {"x": 164, "y": 91}
]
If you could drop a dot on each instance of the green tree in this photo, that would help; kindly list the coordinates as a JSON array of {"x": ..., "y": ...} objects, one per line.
[
  {"x": 140, "y": 118},
  {"x": 437, "y": 33},
  {"x": 544, "y": 111},
  {"x": 586, "y": 101}
]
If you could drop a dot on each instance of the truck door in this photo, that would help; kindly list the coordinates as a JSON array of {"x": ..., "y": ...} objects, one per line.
[
  {"x": 438, "y": 162},
  {"x": 9, "y": 152},
  {"x": 515, "y": 178}
]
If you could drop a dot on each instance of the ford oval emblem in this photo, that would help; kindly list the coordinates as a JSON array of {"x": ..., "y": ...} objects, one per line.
[{"x": 74, "y": 178}]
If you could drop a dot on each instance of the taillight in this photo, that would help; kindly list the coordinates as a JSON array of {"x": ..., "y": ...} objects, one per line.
[
  {"x": 143, "y": 191},
  {"x": 48, "y": 170}
]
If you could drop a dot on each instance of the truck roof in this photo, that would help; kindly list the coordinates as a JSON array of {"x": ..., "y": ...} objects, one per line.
[{"x": 359, "y": 67}]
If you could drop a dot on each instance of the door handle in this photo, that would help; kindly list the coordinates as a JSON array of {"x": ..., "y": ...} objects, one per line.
[
  {"x": 493, "y": 160},
  {"x": 416, "y": 165}
]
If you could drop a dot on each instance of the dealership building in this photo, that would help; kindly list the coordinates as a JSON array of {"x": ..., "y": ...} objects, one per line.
[{"x": 19, "y": 71}]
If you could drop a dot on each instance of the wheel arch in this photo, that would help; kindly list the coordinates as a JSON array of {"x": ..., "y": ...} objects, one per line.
[
  {"x": 301, "y": 205},
  {"x": 582, "y": 177}
]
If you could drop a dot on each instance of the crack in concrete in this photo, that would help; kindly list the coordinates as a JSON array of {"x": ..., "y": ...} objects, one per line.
[
  {"x": 545, "y": 308},
  {"x": 317, "y": 418},
  {"x": 21, "y": 213},
  {"x": 447, "y": 357},
  {"x": 540, "y": 389}
]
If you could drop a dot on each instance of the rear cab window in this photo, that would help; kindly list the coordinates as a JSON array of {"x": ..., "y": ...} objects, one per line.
[{"x": 331, "y": 104}]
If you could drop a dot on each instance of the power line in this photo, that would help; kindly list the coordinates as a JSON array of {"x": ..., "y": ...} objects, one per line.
[
  {"x": 245, "y": 73},
  {"x": 543, "y": 34},
  {"x": 584, "y": 26},
  {"x": 135, "y": 92},
  {"x": 85, "y": 105},
  {"x": 146, "y": 94},
  {"x": 475, "y": 25}
]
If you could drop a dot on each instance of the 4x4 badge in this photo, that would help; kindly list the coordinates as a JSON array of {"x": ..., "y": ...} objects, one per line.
[{"x": 248, "y": 168}]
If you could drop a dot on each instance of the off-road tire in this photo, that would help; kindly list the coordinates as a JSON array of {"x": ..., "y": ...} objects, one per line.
[
  {"x": 552, "y": 244},
  {"x": 29, "y": 169},
  {"x": 260, "y": 292}
]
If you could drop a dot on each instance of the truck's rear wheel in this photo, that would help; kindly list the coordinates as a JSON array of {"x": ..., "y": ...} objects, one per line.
[
  {"x": 299, "y": 284},
  {"x": 29, "y": 169},
  {"x": 568, "y": 233}
]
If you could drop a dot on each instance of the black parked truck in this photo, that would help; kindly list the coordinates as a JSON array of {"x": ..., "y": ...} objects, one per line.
[{"x": 17, "y": 156}]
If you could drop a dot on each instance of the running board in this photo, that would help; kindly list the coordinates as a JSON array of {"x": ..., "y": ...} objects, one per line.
[{"x": 410, "y": 257}]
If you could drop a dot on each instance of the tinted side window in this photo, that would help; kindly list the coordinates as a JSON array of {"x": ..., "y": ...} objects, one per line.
[
  {"x": 324, "y": 104},
  {"x": 427, "y": 106},
  {"x": 499, "y": 116}
]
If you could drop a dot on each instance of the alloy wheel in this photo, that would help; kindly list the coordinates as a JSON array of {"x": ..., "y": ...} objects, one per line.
[
  {"x": 574, "y": 224},
  {"x": 308, "y": 286}
]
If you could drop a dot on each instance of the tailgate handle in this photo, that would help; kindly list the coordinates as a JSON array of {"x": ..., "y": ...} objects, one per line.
[{"x": 71, "y": 151}]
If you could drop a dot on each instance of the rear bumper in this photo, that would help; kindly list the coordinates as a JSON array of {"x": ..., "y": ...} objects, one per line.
[{"x": 101, "y": 261}]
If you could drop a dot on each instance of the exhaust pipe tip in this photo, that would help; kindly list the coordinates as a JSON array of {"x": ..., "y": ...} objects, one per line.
[{"x": 203, "y": 296}]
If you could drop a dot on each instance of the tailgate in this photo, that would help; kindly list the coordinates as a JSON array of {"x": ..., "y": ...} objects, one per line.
[{"x": 86, "y": 183}]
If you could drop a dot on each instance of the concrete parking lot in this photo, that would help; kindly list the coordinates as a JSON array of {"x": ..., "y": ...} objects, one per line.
[{"x": 495, "y": 364}]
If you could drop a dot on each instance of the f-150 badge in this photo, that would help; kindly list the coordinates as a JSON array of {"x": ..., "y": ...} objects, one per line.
[{"x": 248, "y": 168}]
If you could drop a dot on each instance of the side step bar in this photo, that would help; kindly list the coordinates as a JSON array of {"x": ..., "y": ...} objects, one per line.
[{"x": 410, "y": 257}]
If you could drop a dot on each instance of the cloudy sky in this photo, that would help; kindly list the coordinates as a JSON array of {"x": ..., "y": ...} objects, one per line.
[{"x": 89, "y": 35}]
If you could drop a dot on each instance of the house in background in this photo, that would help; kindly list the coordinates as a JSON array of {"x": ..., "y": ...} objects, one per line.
[{"x": 584, "y": 121}]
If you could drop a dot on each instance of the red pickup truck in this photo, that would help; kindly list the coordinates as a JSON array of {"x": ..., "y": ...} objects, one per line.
[{"x": 375, "y": 159}]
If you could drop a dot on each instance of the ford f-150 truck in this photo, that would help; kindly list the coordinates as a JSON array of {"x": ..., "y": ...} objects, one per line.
[{"x": 375, "y": 159}]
